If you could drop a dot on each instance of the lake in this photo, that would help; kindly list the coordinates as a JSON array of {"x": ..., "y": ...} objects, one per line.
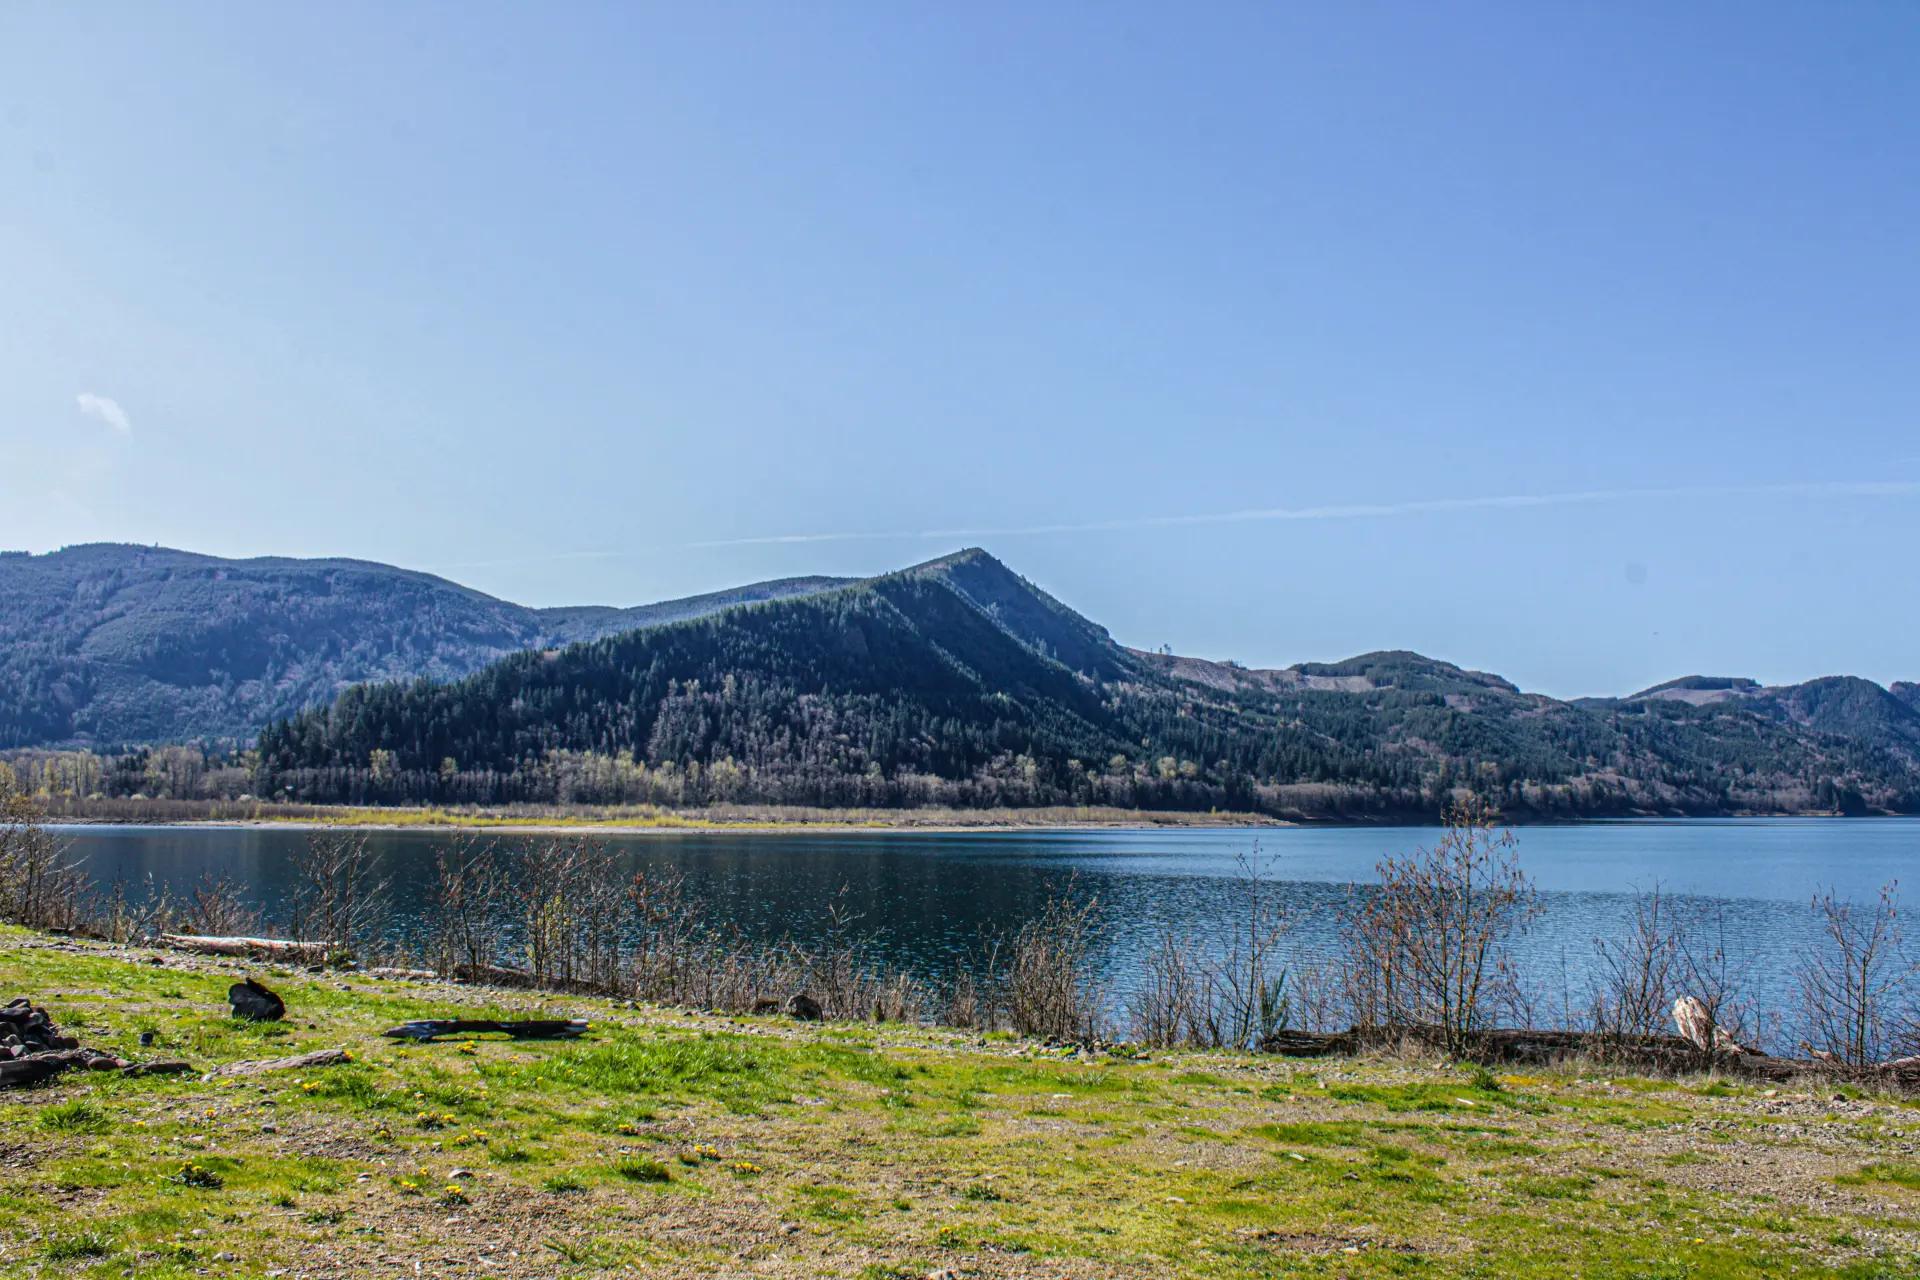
[{"x": 930, "y": 897}]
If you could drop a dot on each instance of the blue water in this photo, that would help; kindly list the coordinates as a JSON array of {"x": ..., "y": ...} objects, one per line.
[{"x": 930, "y": 898}]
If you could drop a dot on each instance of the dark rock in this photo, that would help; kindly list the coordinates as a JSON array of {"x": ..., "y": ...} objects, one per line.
[
  {"x": 255, "y": 1003},
  {"x": 804, "y": 1007}
]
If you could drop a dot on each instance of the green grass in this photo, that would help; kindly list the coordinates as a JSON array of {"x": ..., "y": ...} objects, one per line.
[
  {"x": 76, "y": 1116},
  {"x": 667, "y": 1144},
  {"x": 78, "y": 1247},
  {"x": 642, "y": 1169},
  {"x": 1885, "y": 1173}
]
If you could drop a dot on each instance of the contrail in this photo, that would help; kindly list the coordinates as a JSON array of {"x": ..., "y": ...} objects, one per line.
[
  {"x": 1252, "y": 515},
  {"x": 1357, "y": 511}
]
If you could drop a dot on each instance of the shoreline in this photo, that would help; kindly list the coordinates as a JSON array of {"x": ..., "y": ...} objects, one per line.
[
  {"x": 354, "y": 819},
  {"x": 871, "y": 826}
]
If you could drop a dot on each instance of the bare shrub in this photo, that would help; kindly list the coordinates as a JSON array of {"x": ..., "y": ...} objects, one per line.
[
  {"x": 469, "y": 906},
  {"x": 39, "y": 887},
  {"x": 1709, "y": 975},
  {"x": 1430, "y": 943},
  {"x": 1854, "y": 987},
  {"x": 1049, "y": 980},
  {"x": 897, "y": 997},
  {"x": 1236, "y": 999},
  {"x": 572, "y": 899},
  {"x": 1636, "y": 977},
  {"x": 1170, "y": 1005},
  {"x": 970, "y": 995},
  {"x": 834, "y": 974},
  {"x": 214, "y": 907},
  {"x": 337, "y": 897},
  {"x": 1317, "y": 991},
  {"x": 1253, "y": 1005},
  {"x": 124, "y": 917},
  {"x": 666, "y": 937}
]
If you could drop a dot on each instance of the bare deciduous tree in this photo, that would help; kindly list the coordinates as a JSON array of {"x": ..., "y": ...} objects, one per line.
[
  {"x": 1430, "y": 943},
  {"x": 1854, "y": 987},
  {"x": 337, "y": 895}
]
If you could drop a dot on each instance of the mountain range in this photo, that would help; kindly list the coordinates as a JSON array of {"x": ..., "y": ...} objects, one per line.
[
  {"x": 114, "y": 645},
  {"x": 952, "y": 682}
]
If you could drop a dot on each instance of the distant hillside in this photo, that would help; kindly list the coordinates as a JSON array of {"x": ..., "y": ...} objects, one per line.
[
  {"x": 117, "y": 644},
  {"x": 958, "y": 682},
  {"x": 1843, "y": 706}
]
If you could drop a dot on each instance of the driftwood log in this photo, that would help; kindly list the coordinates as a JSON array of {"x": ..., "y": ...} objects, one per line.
[
  {"x": 299, "y": 1062},
  {"x": 524, "y": 1029},
  {"x": 271, "y": 948},
  {"x": 37, "y": 1067},
  {"x": 32, "y": 1068},
  {"x": 493, "y": 975},
  {"x": 1526, "y": 1047}
]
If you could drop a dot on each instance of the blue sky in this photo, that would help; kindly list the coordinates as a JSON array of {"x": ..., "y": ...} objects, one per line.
[{"x": 1579, "y": 345}]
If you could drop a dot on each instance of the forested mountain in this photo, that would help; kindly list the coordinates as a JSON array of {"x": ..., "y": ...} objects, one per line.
[
  {"x": 957, "y": 682},
  {"x": 1844, "y": 706},
  {"x": 114, "y": 644}
]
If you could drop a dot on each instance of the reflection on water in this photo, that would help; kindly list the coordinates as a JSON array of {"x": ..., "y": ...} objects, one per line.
[{"x": 928, "y": 898}]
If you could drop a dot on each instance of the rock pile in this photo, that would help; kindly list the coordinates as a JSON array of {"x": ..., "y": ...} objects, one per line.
[
  {"x": 26, "y": 1028},
  {"x": 32, "y": 1049}
]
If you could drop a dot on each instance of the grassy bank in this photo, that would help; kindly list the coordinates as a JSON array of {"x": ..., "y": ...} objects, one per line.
[
  {"x": 674, "y": 1144},
  {"x": 544, "y": 818}
]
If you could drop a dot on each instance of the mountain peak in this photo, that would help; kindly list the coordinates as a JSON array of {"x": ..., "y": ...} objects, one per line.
[
  {"x": 1024, "y": 611},
  {"x": 953, "y": 559},
  {"x": 1403, "y": 668},
  {"x": 1699, "y": 690}
]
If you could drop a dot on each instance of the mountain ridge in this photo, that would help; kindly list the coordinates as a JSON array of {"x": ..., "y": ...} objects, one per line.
[
  {"x": 107, "y": 643},
  {"x": 957, "y": 681}
]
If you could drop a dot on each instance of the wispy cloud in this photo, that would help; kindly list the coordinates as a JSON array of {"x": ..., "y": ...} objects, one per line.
[
  {"x": 105, "y": 409},
  {"x": 1357, "y": 511}
]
